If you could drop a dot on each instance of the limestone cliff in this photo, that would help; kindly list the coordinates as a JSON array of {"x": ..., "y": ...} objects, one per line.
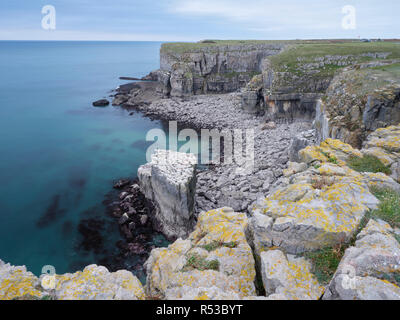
[
  {"x": 169, "y": 181},
  {"x": 212, "y": 67},
  {"x": 360, "y": 100}
]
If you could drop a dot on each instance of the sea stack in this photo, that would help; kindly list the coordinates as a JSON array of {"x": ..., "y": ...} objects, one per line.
[{"x": 169, "y": 181}]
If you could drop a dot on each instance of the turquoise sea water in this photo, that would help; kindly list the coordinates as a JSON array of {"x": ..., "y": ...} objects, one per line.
[{"x": 60, "y": 155}]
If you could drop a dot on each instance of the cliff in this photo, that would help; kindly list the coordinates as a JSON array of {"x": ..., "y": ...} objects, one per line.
[
  {"x": 319, "y": 209},
  {"x": 212, "y": 67}
]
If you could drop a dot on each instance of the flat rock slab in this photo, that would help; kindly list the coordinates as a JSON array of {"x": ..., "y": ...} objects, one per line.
[
  {"x": 288, "y": 277},
  {"x": 370, "y": 269},
  {"x": 219, "y": 236}
]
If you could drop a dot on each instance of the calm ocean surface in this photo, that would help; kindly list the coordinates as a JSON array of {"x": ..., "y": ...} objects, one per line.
[{"x": 60, "y": 155}]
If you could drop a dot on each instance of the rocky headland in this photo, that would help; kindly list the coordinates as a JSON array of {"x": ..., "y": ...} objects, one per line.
[{"x": 317, "y": 215}]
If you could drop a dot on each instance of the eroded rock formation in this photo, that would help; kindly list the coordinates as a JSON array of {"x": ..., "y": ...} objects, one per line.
[{"x": 169, "y": 181}]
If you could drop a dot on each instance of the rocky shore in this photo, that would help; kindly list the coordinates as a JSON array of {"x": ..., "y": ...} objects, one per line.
[{"x": 306, "y": 222}]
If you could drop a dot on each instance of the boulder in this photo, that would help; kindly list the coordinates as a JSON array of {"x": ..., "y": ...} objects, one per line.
[
  {"x": 101, "y": 103},
  {"x": 299, "y": 142},
  {"x": 288, "y": 277},
  {"x": 215, "y": 262},
  {"x": 384, "y": 144},
  {"x": 97, "y": 283},
  {"x": 169, "y": 181},
  {"x": 17, "y": 282},
  {"x": 93, "y": 283},
  {"x": 316, "y": 205},
  {"x": 370, "y": 269}
]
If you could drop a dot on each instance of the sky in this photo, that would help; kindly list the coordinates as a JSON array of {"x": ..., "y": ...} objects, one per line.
[{"x": 194, "y": 20}]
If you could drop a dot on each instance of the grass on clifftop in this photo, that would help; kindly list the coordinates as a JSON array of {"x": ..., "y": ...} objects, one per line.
[
  {"x": 325, "y": 262},
  {"x": 389, "y": 208},
  {"x": 368, "y": 163},
  {"x": 288, "y": 60},
  {"x": 183, "y": 47}
]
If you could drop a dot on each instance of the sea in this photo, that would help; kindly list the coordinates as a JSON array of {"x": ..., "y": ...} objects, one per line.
[{"x": 59, "y": 154}]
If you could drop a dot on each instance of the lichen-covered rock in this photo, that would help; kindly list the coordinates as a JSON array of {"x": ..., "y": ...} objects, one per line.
[
  {"x": 370, "y": 270},
  {"x": 316, "y": 206},
  {"x": 169, "y": 181},
  {"x": 288, "y": 277},
  {"x": 214, "y": 263},
  {"x": 299, "y": 142},
  {"x": 94, "y": 283},
  {"x": 304, "y": 218},
  {"x": 17, "y": 282},
  {"x": 330, "y": 150},
  {"x": 384, "y": 144},
  {"x": 358, "y": 101},
  {"x": 97, "y": 283}
]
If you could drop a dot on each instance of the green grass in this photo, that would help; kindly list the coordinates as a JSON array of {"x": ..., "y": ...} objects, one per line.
[
  {"x": 325, "y": 262},
  {"x": 368, "y": 163},
  {"x": 217, "y": 244},
  {"x": 308, "y": 52},
  {"x": 389, "y": 208},
  {"x": 331, "y": 159},
  {"x": 394, "y": 69},
  {"x": 312, "y": 47},
  {"x": 200, "y": 263}
]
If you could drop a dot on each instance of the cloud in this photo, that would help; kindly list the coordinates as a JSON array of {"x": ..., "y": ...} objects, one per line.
[
  {"x": 72, "y": 35},
  {"x": 264, "y": 16}
]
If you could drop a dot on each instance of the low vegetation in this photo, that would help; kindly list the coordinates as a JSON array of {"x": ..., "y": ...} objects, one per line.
[
  {"x": 217, "y": 244},
  {"x": 309, "y": 52},
  {"x": 331, "y": 158},
  {"x": 368, "y": 163},
  {"x": 197, "y": 262},
  {"x": 321, "y": 183},
  {"x": 325, "y": 262},
  {"x": 389, "y": 208}
]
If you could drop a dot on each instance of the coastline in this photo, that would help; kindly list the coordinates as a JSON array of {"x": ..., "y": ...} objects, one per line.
[{"x": 217, "y": 185}]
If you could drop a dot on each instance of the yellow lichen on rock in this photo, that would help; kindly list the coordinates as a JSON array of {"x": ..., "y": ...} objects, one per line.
[
  {"x": 330, "y": 150},
  {"x": 97, "y": 283},
  {"x": 288, "y": 277},
  {"x": 171, "y": 275},
  {"x": 384, "y": 144},
  {"x": 16, "y": 282}
]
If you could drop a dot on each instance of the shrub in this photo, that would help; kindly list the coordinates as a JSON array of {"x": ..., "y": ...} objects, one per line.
[
  {"x": 200, "y": 263},
  {"x": 321, "y": 183},
  {"x": 368, "y": 163}
]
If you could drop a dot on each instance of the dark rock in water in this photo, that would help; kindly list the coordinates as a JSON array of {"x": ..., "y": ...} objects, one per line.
[
  {"x": 121, "y": 183},
  {"x": 136, "y": 248},
  {"x": 52, "y": 213},
  {"x": 127, "y": 232},
  {"x": 129, "y": 78},
  {"x": 90, "y": 230},
  {"x": 124, "y": 219},
  {"x": 101, "y": 103}
]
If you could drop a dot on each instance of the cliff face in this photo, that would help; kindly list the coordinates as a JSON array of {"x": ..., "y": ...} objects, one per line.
[
  {"x": 293, "y": 81},
  {"x": 360, "y": 100},
  {"x": 216, "y": 68}
]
